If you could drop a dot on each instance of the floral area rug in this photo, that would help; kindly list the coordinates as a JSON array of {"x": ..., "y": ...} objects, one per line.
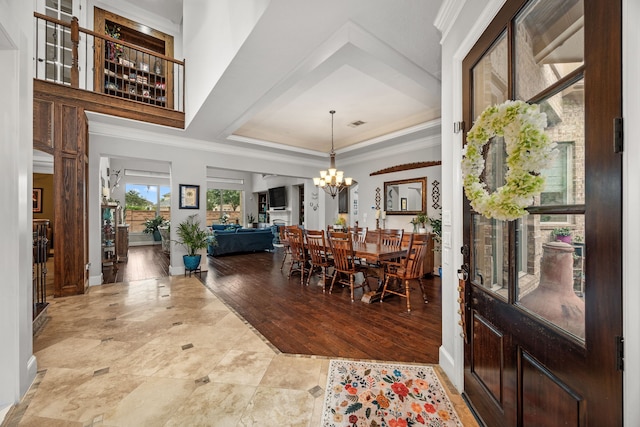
[{"x": 367, "y": 394}]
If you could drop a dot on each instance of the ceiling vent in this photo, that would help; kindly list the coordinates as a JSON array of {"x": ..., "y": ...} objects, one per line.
[{"x": 356, "y": 123}]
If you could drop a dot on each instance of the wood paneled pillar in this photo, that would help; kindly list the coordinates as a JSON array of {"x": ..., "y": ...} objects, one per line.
[{"x": 60, "y": 128}]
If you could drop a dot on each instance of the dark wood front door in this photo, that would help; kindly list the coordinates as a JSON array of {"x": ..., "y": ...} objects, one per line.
[{"x": 544, "y": 319}]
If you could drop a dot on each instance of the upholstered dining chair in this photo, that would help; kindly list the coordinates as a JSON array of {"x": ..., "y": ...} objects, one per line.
[
  {"x": 318, "y": 249},
  {"x": 407, "y": 269},
  {"x": 295, "y": 237},
  {"x": 346, "y": 266}
]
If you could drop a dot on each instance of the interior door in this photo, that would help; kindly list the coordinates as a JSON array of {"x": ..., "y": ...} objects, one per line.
[{"x": 544, "y": 319}]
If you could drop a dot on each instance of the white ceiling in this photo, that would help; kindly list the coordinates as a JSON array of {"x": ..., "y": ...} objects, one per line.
[{"x": 376, "y": 61}]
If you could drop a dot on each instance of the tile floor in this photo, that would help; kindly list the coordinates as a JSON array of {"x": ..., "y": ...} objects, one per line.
[{"x": 167, "y": 352}]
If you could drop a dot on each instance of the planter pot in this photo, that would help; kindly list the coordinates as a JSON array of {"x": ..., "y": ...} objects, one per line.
[
  {"x": 422, "y": 230},
  {"x": 156, "y": 236},
  {"x": 565, "y": 239},
  {"x": 250, "y": 225},
  {"x": 191, "y": 262}
]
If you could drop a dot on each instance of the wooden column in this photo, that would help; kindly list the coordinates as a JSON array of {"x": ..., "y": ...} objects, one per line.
[{"x": 60, "y": 128}]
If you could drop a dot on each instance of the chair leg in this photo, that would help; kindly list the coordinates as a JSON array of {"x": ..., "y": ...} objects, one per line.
[
  {"x": 335, "y": 275},
  {"x": 284, "y": 257},
  {"x": 351, "y": 285},
  {"x": 424, "y": 294},
  {"x": 290, "y": 269},
  {"x": 310, "y": 274},
  {"x": 384, "y": 288},
  {"x": 324, "y": 278},
  {"x": 406, "y": 292}
]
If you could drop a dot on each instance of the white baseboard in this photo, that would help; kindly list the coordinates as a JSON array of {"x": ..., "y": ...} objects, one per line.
[
  {"x": 4, "y": 412},
  {"x": 95, "y": 280},
  {"x": 446, "y": 362}
]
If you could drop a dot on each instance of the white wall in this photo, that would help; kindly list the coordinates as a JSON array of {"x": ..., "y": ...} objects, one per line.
[
  {"x": 461, "y": 27},
  {"x": 631, "y": 207},
  {"x": 17, "y": 363},
  {"x": 213, "y": 34},
  {"x": 190, "y": 160},
  {"x": 360, "y": 169}
]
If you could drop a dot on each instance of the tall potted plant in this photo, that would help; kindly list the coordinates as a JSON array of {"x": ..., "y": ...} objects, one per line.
[
  {"x": 192, "y": 238},
  {"x": 151, "y": 227}
]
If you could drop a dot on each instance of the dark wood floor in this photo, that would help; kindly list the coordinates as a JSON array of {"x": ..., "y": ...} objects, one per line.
[
  {"x": 144, "y": 262},
  {"x": 303, "y": 320}
]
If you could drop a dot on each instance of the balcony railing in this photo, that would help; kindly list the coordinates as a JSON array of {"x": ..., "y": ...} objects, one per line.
[{"x": 67, "y": 54}]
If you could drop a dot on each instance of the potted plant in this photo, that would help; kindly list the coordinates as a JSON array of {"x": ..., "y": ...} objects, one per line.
[
  {"x": 340, "y": 223},
  {"x": 561, "y": 234},
  {"x": 436, "y": 229},
  {"x": 251, "y": 221},
  {"x": 151, "y": 227},
  {"x": 421, "y": 220},
  {"x": 193, "y": 238}
]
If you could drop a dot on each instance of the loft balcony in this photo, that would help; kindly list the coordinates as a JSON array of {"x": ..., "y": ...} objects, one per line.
[{"x": 108, "y": 74}]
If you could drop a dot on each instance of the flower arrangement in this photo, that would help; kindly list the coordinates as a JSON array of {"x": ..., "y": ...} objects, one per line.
[
  {"x": 224, "y": 218},
  {"x": 341, "y": 221},
  {"x": 422, "y": 218},
  {"x": 528, "y": 149},
  {"x": 561, "y": 234}
]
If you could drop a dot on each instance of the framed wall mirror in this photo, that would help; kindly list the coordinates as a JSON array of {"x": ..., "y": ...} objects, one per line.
[{"x": 405, "y": 197}]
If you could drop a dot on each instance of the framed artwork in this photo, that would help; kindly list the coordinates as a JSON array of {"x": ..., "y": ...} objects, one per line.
[
  {"x": 189, "y": 196},
  {"x": 403, "y": 204},
  {"x": 37, "y": 200}
]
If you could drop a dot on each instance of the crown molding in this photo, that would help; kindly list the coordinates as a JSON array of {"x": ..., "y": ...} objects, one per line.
[{"x": 447, "y": 16}]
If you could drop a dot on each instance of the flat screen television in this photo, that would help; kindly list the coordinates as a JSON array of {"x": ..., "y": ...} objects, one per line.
[{"x": 278, "y": 198}]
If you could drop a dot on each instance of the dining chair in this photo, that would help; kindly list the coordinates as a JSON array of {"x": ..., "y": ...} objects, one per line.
[
  {"x": 295, "y": 237},
  {"x": 318, "y": 249},
  {"x": 284, "y": 242},
  {"x": 372, "y": 236},
  {"x": 391, "y": 237},
  {"x": 407, "y": 269},
  {"x": 358, "y": 234},
  {"x": 345, "y": 262}
]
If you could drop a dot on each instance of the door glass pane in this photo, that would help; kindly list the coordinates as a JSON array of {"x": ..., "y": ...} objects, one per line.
[
  {"x": 551, "y": 279},
  {"x": 490, "y": 77},
  {"x": 490, "y": 237},
  {"x": 489, "y": 252},
  {"x": 565, "y": 177},
  {"x": 549, "y": 44}
]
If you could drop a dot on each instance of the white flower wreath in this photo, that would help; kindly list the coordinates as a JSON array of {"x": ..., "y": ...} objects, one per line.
[{"x": 528, "y": 148}]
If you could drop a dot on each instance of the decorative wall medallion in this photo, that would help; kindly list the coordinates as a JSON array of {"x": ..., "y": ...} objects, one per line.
[{"x": 435, "y": 194}]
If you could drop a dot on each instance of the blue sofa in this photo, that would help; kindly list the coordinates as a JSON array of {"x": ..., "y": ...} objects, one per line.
[{"x": 237, "y": 239}]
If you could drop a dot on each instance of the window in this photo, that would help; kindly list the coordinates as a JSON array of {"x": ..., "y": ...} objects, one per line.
[
  {"x": 58, "y": 42},
  {"x": 224, "y": 206},
  {"x": 144, "y": 202}
]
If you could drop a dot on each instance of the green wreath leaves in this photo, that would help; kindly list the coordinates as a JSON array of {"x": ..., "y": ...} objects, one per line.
[{"x": 528, "y": 148}]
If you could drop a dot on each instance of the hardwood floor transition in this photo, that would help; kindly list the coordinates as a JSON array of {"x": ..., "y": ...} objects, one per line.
[{"x": 300, "y": 319}]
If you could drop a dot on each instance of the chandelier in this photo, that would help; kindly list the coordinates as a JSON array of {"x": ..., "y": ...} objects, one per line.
[{"x": 332, "y": 181}]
